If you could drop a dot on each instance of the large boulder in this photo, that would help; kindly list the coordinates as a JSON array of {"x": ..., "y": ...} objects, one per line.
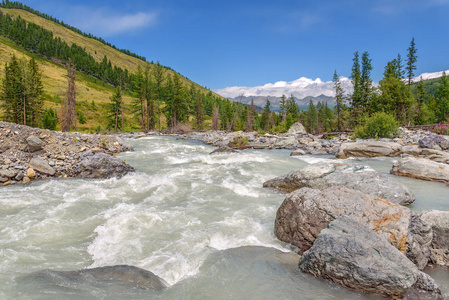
[
  {"x": 40, "y": 165},
  {"x": 305, "y": 212},
  {"x": 420, "y": 168},
  {"x": 324, "y": 175},
  {"x": 354, "y": 256},
  {"x": 116, "y": 275},
  {"x": 430, "y": 154},
  {"x": 439, "y": 249},
  {"x": 296, "y": 129},
  {"x": 34, "y": 143},
  {"x": 101, "y": 165},
  {"x": 369, "y": 149},
  {"x": 434, "y": 141}
]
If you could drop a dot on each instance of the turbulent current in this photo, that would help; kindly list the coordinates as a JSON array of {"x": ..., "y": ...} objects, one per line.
[{"x": 201, "y": 222}]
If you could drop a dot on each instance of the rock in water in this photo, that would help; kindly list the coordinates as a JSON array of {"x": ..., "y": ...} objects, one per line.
[
  {"x": 369, "y": 149},
  {"x": 352, "y": 255},
  {"x": 361, "y": 178},
  {"x": 34, "y": 143},
  {"x": 439, "y": 249},
  {"x": 296, "y": 129},
  {"x": 430, "y": 154},
  {"x": 305, "y": 212},
  {"x": 223, "y": 150},
  {"x": 40, "y": 165},
  {"x": 111, "y": 275},
  {"x": 101, "y": 165},
  {"x": 421, "y": 169}
]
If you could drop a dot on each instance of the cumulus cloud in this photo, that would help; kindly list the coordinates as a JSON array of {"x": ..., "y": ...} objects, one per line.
[
  {"x": 299, "y": 88},
  {"x": 104, "y": 23}
]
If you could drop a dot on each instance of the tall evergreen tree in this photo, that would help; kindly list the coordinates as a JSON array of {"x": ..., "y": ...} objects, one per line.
[
  {"x": 199, "y": 111},
  {"x": 442, "y": 101},
  {"x": 115, "y": 110},
  {"x": 250, "y": 119},
  {"x": 420, "y": 96},
  {"x": 411, "y": 61},
  {"x": 339, "y": 96},
  {"x": 158, "y": 76},
  {"x": 266, "y": 120},
  {"x": 312, "y": 118},
  {"x": 356, "y": 98},
  {"x": 283, "y": 106},
  {"x": 366, "y": 82}
]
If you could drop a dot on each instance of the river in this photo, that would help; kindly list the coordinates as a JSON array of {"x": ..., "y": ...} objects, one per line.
[{"x": 201, "y": 222}]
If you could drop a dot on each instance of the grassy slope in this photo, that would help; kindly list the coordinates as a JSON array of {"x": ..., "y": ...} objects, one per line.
[{"x": 97, "y": 49}]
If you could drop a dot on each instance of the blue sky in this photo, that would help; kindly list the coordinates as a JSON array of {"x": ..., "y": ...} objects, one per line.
[{"x": 222, "y": 44}]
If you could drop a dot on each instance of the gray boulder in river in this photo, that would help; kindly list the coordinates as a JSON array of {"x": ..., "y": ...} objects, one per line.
[
  {"x": 420, "y": 168},
  {"x": 354, "y": 256},
  {"x": 101, "y": 165},
  {"x": 430, "y": 154},
  {"x": 439, "y": 249},
  {"x": 305, "y": 212},
  {"x": 324, "y": 175},
  {"x": 369, "y": 149},
  {"x": 434, "y": 141},
  {"x": 111, "y": 275}
]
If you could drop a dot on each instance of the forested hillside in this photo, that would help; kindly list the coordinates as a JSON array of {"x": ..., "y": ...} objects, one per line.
[{"x": 152, "y": 96}]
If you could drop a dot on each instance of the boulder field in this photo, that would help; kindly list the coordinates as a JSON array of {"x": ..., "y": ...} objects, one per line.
[{"x": 27, "y": 154}]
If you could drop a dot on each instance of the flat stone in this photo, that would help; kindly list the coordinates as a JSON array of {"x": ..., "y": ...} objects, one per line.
[
  {"x": 369, "y": 149},
  {"x": 420, "y": 168},
  {"x": 34, "y": 143},
  {"x": 41, "y": 166}
]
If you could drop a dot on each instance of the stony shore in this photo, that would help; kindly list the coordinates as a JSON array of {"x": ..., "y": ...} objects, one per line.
[{"x": 28, "y": 154}]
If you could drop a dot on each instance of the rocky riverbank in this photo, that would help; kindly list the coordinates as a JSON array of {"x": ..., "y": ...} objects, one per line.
[{"x": 28, "y": 154}]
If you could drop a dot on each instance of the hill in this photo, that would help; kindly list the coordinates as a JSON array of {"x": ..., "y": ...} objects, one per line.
[{"x": 93, "y": 91}]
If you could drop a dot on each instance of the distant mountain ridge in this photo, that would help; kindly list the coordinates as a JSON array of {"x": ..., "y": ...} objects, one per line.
[{"x": 275, "y": 101}]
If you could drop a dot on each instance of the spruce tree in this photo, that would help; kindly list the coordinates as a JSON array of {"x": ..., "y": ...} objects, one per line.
[
  {"x": 199, "y": 111},
  {"x": 312, "y": 118},
  {"x": 115, "y": 110},
  {"x": 158, "y": 76},
  {"x": 443, "y": 99},
  {"x": 266, "y": 120},
  {"x": 356, "y": 80},
  {"x": 411, "y": 61},
  {"x": 366, "y": 82},
  {"x": 420, "y": 96},
  {"x": 283, "y": 106},
  {"x": 339, "y": 96}
]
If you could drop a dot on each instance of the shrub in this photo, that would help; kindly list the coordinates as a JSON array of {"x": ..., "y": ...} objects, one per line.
[
  {"x": 379, "y": 125},
  {"x": 239, "y": 142},
  {"x": 81, "y": 118},
  {"x": 49, "y": 119}
]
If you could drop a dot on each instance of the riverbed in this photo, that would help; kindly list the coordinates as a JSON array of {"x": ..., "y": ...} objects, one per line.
[{"x": 201, "y": 222}]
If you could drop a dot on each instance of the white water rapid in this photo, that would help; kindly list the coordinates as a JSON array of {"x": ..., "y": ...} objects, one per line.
[{"x": 184, "y": 215}]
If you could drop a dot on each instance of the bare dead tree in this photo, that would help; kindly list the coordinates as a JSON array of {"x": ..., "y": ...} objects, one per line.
[
  {"x": 68, "y": 110},
  {"x": 215, "y": 118}
]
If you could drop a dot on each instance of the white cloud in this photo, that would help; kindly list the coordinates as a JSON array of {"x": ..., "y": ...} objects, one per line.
[
  {"x": 104, "y": 23},
  {"x": 299, "y": 88}
]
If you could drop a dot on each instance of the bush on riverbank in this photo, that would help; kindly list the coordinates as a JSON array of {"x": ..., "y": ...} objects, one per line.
[{"x": 379, "y": 125}]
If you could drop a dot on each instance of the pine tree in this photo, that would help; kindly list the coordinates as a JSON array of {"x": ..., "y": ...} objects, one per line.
[
  {"x": 366, "y": 82},
  {"x": 339, "y": 96},
  {"x": 312, "y": 118},
  {"x": 199, "y": 111},
  {"x": 356, "y": 98},
  {"x": 420, "y": 96},
  {"x": 215, "y": 118},
  {"x": 283, "y": 106},
  {"x": 443, "y": 99},
  {"x": 292, "y": 110},
  {"x": 115, "y": 110},
  {"x": 12, "y": 92},
  {"x": 411, "y": 61},
  {"x": 68, "y": 110},
  {"x": 158, "y": 75},
  {"x": 33, "y": 91},
  {"x": 250, "y": 118},
  {"x": 266, "y": 120}
]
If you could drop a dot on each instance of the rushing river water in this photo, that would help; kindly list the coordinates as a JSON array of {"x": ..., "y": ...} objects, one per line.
[{"x": 201, "y": 222}]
